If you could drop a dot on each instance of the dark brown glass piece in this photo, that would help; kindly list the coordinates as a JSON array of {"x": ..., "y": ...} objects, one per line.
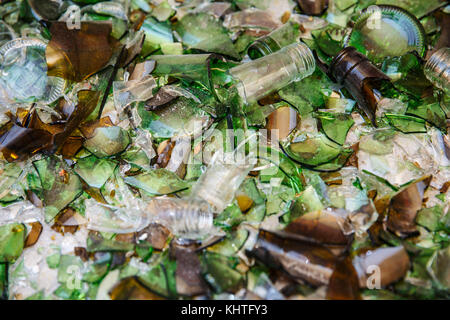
[
  {"x": 77, "y": 54},
  {"x": 403, "y": 208},
  {"x": 321, "y": 226},
  {"x": 164, "y": 153},
  {"x": 284, "y": 119},
  {"x": 87, "y": 101},
  {"x": 360, "y": 77},
  {"x": 189, "y": 279},
  {"x": 313, "y": 7},
  {"x": 344, "y": 282},
  {"x": 443, "y": 20},
  {"x": 88, "y": 128},
  {"x": 66, "y": 222},
  {"x": 132, "y": 289},
  {"x": 300, "y": 260},
  {"x": 18, "y": 142}
]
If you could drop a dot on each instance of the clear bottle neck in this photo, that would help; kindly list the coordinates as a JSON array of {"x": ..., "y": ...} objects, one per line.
[{"x": 437, "y": 69}]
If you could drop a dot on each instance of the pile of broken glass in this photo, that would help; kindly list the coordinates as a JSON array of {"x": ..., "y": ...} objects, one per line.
[{"x": 131, "y": 166}]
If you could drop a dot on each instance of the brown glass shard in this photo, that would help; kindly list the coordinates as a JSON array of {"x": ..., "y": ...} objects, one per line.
[
  {"x": 18, "y": 142},
  {"x": 126, "y": 237},
  {"x": 443, "y": 20},
  {"x": 284, "y": 120},
  {"x": 82, "y": 253},
  {"x": 188, "y": 274},
  {"x": 164, "y": 151},
  {"x": 300, "y": 260},
  {"x": 344, "y": 282},
  {"x": 88, "y": 128},
  {"x": 66, "y": 222},
  {"x": 35, "y": 122},
  {"x": 132, "y": 289},
  {"x": 322, "y": 226},
  {"x": 382, "y": 266},
  {"x": 87, "y": 101},
  {"x": 404, "y": 206},
  {"x": 71, "y": 147},
  {"x": 352, "y": 161},
  {"x": 156, "y": 235},
  {"x": 77, "y": 54},
  {"x": 360, "y": 77},
  {"x": 34, "y": 234},
  {"x": 313, "y": 7}
]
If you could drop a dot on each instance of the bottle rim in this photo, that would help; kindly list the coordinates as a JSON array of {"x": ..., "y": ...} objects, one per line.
[{"x": 414, "y": 23}]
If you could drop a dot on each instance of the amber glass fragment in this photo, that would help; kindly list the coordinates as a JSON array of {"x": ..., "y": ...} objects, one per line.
[
  {"x": 88, "y": 128},
  {"x": 34, "y": 234},
  {"x": 313, "y": 7},
  {"x": 18, "y": 142},
  {"x": 132, "y": 289},
  {"x": 404, "y": 206},
  {"x": 35, "y": 122},
  {"x": 164, "y": 153},
  {"x": 321, "y": 225},
  {"x": 87, "y": 101},
  {"x": 156, "y": 235},
  {"x": 71, "y": 147},
  {"x": 344, "y": 282},
  {"x": 77, "y": 54}
]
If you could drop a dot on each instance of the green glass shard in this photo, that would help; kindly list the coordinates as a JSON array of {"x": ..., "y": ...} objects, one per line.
[
  {"x": 157, "y": 182},
  {"x": 406, "y": 124},
  {"x": 107, "y": 141},
  {"x": 12, "y": 240},
  {"x": 95, "y": 172},
  {"x": 232, "y": 243},
  {"x": 336, "y": 125},
  {"x": 60, "y": 187},
  {"x": 202, "y": 31},
  {"x": 220, "y": 273},
  {"x": 156, "y": 34}
]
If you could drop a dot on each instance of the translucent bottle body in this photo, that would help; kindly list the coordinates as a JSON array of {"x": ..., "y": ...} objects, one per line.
[
  {"x": 437, "y": 69},
  {"x": 23, "y": 73},
  {"x": 265, "y": 75},
  {"x": 186, "y": 218},
  {"x": 274, "y": 41}
]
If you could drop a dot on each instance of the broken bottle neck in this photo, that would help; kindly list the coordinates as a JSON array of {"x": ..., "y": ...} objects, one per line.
[
  {"x": 365, "y": 82},
  {"x": 259, "y": 78},
  {"x": 274, "y": 41}
]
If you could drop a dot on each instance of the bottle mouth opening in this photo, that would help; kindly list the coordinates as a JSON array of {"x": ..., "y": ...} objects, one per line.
[
  {"x": 403, "y": 19},
  {"x": 258, "y": 49}
]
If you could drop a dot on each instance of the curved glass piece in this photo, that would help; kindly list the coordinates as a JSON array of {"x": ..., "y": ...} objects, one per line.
[
  {"x": 383, "y": 31},
  {"x": 315, "y": 151},
  {"x": 437, "y": 69},
  {"x": 23, "y": 73},
  {"x": 6, "y": 33}
]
